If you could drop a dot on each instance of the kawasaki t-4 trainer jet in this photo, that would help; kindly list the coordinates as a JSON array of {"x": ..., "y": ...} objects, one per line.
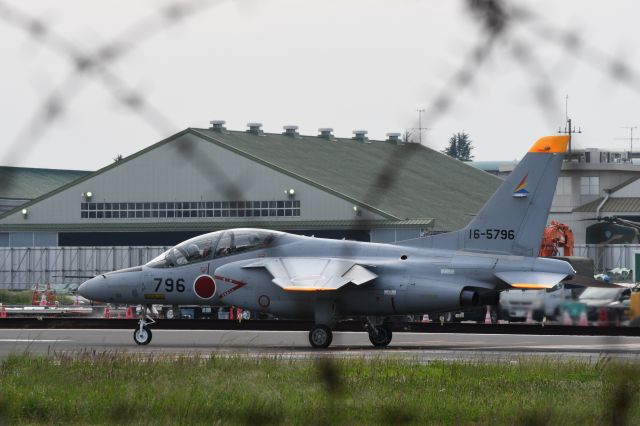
[{"x": 299, "y": 277}]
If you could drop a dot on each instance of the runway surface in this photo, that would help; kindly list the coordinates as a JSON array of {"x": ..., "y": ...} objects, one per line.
[{"x": 419, "y": 347}]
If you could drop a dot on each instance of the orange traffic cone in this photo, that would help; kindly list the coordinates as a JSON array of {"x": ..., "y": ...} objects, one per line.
[
  {"x": 566, "y": 318},
  {"x": 128, "y": 314},
  {"x": 107, "y": 312},
  {"x": 35, "y": 299},
  {"x": 583, "y": 321},
  {"x": 487, "y": 317},
  {"x": 425, "y": 318},
  {"x": 3, "y": 312}
]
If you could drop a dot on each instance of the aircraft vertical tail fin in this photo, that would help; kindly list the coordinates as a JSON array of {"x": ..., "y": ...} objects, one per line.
[{"x": 513, "y": 220}]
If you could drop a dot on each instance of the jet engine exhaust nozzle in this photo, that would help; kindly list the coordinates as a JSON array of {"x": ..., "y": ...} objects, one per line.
[{"x": 469, "y": 298}]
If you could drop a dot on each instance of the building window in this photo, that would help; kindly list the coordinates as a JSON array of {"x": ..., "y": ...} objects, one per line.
[
  {"x": 140, "y": 210},
  {"x": 589, "y": 185},
  {"x": 564, "y": 186}
]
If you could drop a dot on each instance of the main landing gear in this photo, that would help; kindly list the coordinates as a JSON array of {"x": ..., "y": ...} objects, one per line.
[
  {"x": 142, "y": 335},
  {"x": 320, "y": 336},
  {"x": 380, "y": 334}
]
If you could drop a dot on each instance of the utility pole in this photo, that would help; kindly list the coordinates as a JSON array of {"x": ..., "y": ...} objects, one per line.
[
  {"x": 630, "y": 139},
  {"x": 569, "y": 129}
]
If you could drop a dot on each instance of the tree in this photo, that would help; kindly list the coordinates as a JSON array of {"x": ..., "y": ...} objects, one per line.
[
  {"x": 407, "y": 136},
  {"x": 459, "y": 147}
]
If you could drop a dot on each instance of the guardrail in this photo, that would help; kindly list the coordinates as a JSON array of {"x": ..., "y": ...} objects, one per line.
[{"x": 286, "y": 325}]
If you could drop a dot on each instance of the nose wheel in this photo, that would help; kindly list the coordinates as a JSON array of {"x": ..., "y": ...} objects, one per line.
[
  {"x": 320, "y": 336},
  {"x": 142, "y": 335}
]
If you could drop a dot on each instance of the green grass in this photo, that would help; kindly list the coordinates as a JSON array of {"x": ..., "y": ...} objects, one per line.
[
  {"x": 116, "y": 389},
  {"x": 10, "y": 297}
]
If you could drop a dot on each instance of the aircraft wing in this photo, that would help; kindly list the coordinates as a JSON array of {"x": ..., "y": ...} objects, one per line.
[
  {"x": 312, "y": 273},
  {"x": 531, "y": 280}
]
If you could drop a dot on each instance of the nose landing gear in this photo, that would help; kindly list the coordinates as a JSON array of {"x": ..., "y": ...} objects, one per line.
[{"x": 142, "y": 335}]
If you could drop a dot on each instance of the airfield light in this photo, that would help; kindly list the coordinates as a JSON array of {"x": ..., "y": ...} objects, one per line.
[
  {"x": 87, "y": 195},
  {"x": 292, "y": 192},
  {"x": 25, "y": 213}
]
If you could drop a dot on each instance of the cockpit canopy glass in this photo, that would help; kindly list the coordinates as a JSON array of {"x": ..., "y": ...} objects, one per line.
[{"x": 214, "y": 245}]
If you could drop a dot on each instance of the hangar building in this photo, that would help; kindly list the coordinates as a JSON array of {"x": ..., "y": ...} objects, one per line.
[
  {"x": 19, "y": 185},
  {"x": 201, "y": 180}
]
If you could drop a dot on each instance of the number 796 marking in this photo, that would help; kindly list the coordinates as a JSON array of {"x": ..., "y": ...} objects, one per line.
[{"x": 169, "y": 284}]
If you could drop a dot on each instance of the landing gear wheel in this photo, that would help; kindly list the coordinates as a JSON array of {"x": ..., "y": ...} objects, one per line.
[
  {"x": 142, "y": 336},
  {"x": 320, "y": 336},
  {"x": 380, "y": 336}
]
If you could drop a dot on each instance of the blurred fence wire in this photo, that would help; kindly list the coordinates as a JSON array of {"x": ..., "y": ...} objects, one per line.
[
  {"x": 498, "y": 24},
  {"x": 95, "y": 64}
]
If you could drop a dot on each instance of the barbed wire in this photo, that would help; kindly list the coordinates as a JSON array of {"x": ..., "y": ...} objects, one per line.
[{"x": 95, "y": 64}]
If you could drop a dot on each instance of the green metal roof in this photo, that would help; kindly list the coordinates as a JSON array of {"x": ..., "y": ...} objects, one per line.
[
  {"x": 396, "y": 181},
  {"x": 406, "y": 181},
  {"x": 23, "y": 183},
  {"x": 616, "y": 205}
]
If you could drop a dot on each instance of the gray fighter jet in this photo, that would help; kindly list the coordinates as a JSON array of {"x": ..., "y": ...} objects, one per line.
[{"x": 299, "y": 277}]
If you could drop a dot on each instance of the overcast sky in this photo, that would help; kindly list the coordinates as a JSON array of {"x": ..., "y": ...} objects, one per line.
[{"x": 342, "y": 64}]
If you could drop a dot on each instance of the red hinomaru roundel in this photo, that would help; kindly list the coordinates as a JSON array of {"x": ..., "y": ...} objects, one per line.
[{"x": 204, "y": 287}]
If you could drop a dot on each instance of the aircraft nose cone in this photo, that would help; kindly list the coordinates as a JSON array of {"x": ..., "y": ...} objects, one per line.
[{"x": 90, "y": 289}]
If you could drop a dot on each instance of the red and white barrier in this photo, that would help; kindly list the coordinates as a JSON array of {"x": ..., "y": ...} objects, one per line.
[
  {"x": 487, "y": 317},
  {"x": 529, "y": 319},
  {"x": 583, "y": 321}
]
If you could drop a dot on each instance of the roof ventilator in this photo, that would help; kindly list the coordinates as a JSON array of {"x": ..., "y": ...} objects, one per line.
[
  {"x": 255, "y": 128},
  {"x": 325, "y": 133},
  {"x": 360, "y": 136},
  {"x": 291, "y": 130},
  {"x": 394, "y": 137},
  {"x": 217, "y": 125}
]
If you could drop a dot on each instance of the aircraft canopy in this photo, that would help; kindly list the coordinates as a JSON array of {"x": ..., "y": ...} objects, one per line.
[{"x": 214, "y": 245}]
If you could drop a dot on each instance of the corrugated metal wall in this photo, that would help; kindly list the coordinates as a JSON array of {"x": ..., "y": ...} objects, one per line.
[{"x": 22, "y": 268}]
